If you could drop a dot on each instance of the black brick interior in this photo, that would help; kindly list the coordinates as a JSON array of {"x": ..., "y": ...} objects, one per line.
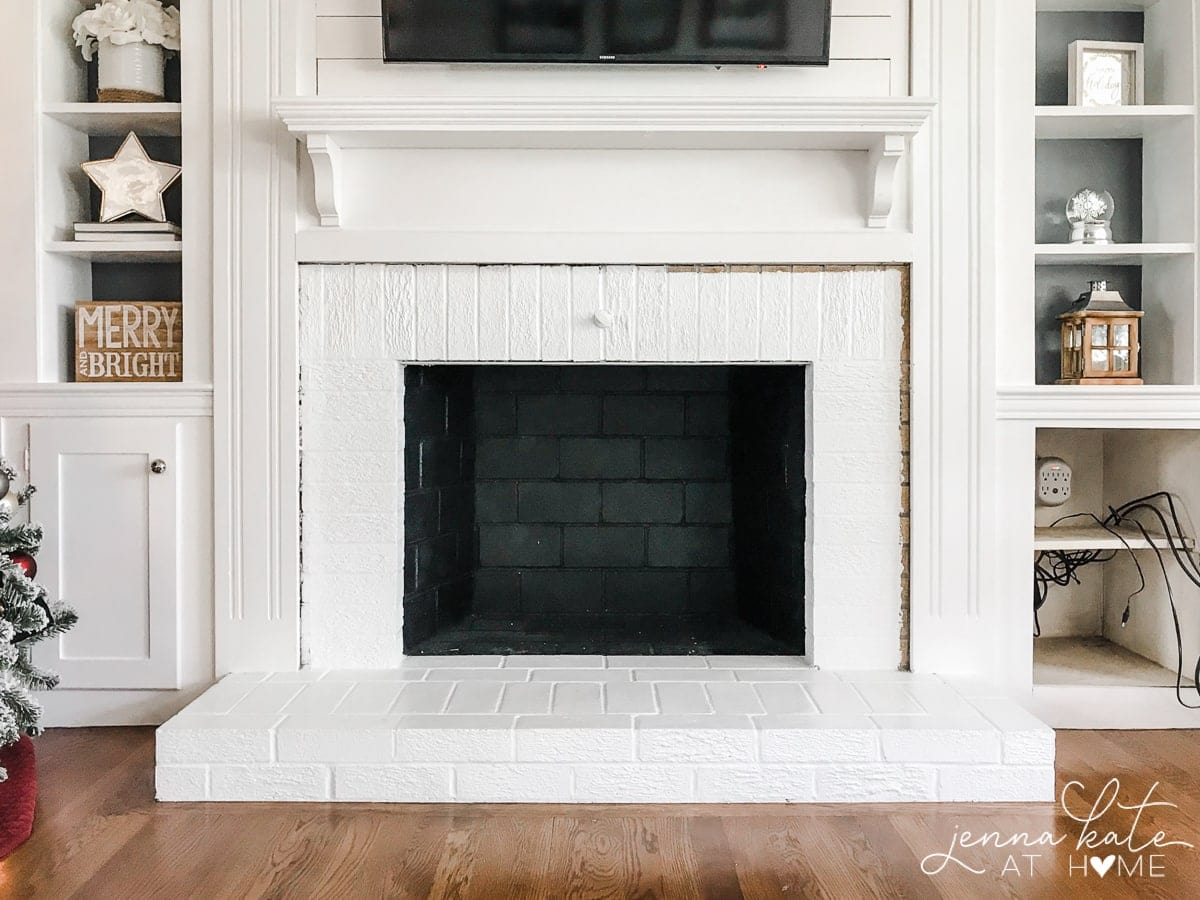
[
  {"x": 611, "y": 509},
  {"x": 439, "y": 500}
]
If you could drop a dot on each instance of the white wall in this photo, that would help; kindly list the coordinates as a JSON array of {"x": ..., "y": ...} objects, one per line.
[
  {"x": 1138, "y": 463},
  {"x": 1078, "y": 609},
  {"x": 869, "y": 57}
]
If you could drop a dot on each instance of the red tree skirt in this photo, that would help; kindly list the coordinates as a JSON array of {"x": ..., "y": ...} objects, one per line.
[{"x": 17, "y": 795}]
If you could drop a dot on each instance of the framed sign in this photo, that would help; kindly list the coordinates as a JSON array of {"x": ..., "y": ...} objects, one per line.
[
  {"x": 1106, "y": 73},
  {"x": 128, "y": 341}
]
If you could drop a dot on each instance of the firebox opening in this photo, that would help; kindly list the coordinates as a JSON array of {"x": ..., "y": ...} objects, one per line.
[{"x": 604, "y": 510}]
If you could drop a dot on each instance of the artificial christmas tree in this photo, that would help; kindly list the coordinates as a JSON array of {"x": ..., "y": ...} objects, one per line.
[{"x": 26, "y": 617}]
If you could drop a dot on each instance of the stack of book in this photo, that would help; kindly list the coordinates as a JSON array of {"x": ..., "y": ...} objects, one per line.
[{"x": 127, "y": 231}]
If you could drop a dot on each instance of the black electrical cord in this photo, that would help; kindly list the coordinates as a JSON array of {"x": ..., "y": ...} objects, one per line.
[{"x": 1061, "y": 567}]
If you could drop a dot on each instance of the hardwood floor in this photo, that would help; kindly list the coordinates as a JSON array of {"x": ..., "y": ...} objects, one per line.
[{"x": 99, "y": 834}]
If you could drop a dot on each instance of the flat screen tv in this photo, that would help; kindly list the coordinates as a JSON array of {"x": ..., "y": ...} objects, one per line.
[{"x": 711, "y": 32}]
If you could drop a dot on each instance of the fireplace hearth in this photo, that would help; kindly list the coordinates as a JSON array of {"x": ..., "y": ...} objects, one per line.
[{"x": 604, "y": 510}]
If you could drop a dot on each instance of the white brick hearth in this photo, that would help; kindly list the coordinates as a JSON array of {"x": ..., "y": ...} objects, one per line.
[{"x": 597, "y": 729}]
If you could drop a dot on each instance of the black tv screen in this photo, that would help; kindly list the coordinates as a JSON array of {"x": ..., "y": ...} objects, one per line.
[{"x": 713, "y": 32}]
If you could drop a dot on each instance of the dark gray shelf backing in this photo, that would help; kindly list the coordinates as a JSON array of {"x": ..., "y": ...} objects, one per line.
[
  {"x": 137, "y": 281},
  {"x": 1056, "y": 288},
  {"x": 1057, "y": 31},
  {"x": 1063, "y": 167}
]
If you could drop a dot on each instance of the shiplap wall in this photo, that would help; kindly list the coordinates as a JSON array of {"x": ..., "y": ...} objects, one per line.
[{"x": 869, "y": 50}]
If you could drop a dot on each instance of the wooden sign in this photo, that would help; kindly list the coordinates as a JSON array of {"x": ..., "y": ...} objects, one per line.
[{"x": 128, "y": 341}]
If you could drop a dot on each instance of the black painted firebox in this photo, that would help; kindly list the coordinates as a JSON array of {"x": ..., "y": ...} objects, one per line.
[{"x": 604, "y": 509}]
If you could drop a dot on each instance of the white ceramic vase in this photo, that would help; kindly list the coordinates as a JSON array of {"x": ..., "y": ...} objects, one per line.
[{"x": 131, "y": 73}]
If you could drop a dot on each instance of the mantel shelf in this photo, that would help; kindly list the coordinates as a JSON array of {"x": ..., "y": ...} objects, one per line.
[{"x": 881, "y": 127}]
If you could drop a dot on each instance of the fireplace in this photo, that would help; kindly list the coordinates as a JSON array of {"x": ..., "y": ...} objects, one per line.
[
  {"x": 604, "y": 510},
  {"x": 798, "y": 372},
  {"x": 476, "y": 556}
]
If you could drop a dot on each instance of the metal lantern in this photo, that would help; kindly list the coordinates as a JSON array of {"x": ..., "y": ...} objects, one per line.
[{"x": 1100, "y": 339}]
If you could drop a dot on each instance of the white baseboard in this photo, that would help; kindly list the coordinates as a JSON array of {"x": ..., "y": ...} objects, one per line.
[
  {"x": 1118, "y": 708},
  {"x": 83, "y": 709}
]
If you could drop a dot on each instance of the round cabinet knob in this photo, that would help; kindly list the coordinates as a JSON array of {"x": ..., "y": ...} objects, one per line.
[
  {"x": 158, "y": 466},
  {"x": 604, "y": 319}
]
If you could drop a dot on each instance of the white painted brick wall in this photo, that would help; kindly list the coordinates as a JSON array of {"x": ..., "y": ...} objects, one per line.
[{"x": 360, "y": 324}]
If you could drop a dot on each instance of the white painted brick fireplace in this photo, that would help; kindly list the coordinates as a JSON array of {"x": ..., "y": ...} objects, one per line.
[
  {"x": 360, "y": 324},
  {"x": 363, "y": 723}
]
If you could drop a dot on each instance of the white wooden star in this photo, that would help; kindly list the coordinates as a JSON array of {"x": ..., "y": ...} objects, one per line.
[{"x": 132, "y": 182}]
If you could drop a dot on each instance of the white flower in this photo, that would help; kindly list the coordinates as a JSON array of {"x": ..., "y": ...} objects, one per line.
[{"x": 127, "y": 22}]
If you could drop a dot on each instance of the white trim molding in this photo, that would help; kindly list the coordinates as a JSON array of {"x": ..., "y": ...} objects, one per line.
[
  {"x": 105, "y": 400},
  {"x": 880, "y": 126},
  {"x": 1151, "y": 406},
  {"x": 255, "y": 378}
]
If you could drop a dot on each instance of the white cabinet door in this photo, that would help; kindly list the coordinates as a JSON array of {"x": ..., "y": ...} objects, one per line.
[{"x": 110, "y": 548}]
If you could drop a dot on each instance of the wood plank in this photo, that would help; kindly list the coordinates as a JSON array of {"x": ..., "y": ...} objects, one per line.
[
  {"x": 375, "y": 78},
  {"x": 851, "y": 37},
  {"x": 100, "y": 834}
]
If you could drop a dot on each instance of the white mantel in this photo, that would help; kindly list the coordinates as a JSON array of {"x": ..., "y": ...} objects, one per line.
[{"x": 879, "y": 126}]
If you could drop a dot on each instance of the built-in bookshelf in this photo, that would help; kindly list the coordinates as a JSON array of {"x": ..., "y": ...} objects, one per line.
[
  {"x": 1126, "y": 441},
  {"x": 73, "y": 129}
]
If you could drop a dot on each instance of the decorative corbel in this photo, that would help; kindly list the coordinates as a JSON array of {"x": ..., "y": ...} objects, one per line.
[
  {"x": 326, "y": 157},
  {"x": 885, "y": 157}
]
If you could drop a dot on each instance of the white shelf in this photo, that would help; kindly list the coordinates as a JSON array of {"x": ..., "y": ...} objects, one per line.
[
  {"x": 118, "y": 119},
  {"x": 120, "y": 251},
  {"x": 72, "y": 400},
  {"x": 1095, "y": 5},
  {"x": 1108, "y": 406},
  {"x": 1107, "y": 255},
  {"x": 881, "y": 126},
  {"x": 1095, "y": 661},
  {"x": 1093, "y": 537},
  {"x": 1122, "y": 122}
]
